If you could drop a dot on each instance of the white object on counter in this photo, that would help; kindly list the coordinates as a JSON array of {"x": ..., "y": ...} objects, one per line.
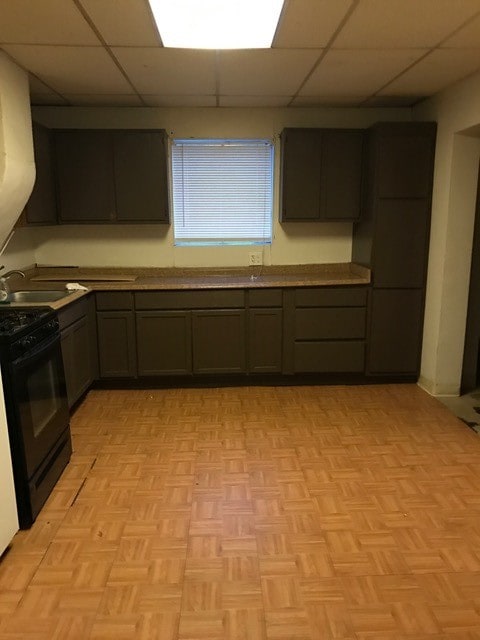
[
  {"x": 8, "y": 505},
  {"x": 75, "y": 286}
]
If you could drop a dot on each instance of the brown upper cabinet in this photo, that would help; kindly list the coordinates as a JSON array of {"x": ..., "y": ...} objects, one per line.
[
  {"x": 111, "y": 176},
  {"x": 393, "y": 235},
  {"x": 41, "y": 208},
  {"x": 321, "y": 174},
  {"x": 84, "y": 169},
  {"x": 141, "y": 183}
]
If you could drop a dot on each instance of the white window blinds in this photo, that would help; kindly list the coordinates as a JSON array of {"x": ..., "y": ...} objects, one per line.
[{"x": 222, "y": 191}]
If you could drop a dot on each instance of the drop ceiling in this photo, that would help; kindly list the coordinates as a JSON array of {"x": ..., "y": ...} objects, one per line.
[{"x": 325, "y": 53}]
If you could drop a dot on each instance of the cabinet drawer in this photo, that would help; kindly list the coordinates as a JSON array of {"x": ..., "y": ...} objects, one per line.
[
  {"x": 329, "y": 357},
  {"x": 72, "y": 313},
  {"x": 265, "y": 297},
  {"x": 331, "y": 297},
  {"x": 221, "y": 299},
  {"x": 330, "y": 323},
  {"x": 113, "y": 301}
]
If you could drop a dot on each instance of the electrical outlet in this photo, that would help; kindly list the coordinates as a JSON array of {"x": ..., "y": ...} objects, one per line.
[{"x": 255, "y": 258}]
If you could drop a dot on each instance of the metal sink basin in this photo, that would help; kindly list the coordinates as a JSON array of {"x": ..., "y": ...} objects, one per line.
[{"x": 36, "y": 296}]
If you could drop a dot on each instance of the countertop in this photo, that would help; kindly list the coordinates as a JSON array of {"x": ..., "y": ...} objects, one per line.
[{"x": 103, "y": 279}]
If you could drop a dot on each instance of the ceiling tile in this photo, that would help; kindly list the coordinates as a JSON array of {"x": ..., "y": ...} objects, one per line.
[
  {"x": 254, "y": 101},
  {"x": 403, "y": 23},
  {"x": 357, "y": 72},
  {"x": 327, "y": 101},
  {"x": 37, "y": 86},
  {"x": 71, "y": 69},
  {"x": 391, "y": 101},
  {"x": 129, "y": 23},
  {"x": 263, "y": 72},
  {"x": 468, "y": 36},
  {"x": 309, "y": 23},
  {"x": 44, "y": 22},
  {"x": 179, "y": 101},
  {"x": 158, "y": 71},
  {"x": 441, "y": 68},
  {"x": 108, "y": 100},
  {"x": 47, "y": 99}
]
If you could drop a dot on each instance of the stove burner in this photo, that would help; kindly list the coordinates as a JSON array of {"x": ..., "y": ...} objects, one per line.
[{"x": 14, "y": 320}]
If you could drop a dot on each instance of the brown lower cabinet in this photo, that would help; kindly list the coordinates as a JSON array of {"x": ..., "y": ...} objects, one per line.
[
  {"x": 219, "y": 341},
  {"x": 328, "y": 330},
  {"x": 116, "y": 344},
  {"x": 265, "y": 334},
  {"x": 337, "y": 356},
  {"x": 396, "y": 324},
  {"x": 207, "y": 341},
  {"x": 305, "y": 330},
  {"x": 164, "y": 344},
  {"x": 79, "y": 348}
]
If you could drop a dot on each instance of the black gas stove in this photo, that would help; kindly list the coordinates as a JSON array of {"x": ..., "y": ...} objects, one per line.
[
  {"x": 23, "y": 328},
  {"x": 36, "y": 403}
]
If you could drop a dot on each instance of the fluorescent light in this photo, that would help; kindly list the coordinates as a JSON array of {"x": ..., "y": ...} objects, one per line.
[{"x": 217, "y": 24}]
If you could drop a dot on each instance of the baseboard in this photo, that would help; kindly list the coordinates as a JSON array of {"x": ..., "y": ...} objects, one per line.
[{"x": 438, "y": 390}]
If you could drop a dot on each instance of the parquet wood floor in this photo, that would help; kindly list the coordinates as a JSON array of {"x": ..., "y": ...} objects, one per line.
[{"x": 291, "y": 513}]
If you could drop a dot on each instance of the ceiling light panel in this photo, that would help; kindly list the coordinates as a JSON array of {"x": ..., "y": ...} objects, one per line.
[{"x": 217, "y": 24}]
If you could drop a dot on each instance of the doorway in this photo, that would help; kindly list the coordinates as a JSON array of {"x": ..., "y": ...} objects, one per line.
[{"x": 471, "y": 353}]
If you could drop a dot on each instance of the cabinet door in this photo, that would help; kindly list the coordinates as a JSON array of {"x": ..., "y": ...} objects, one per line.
[
  {"x": 76, "y": 359},
  {"x": 330, "y": 323},
  {"x": 164, "y": 343},
  {"x": 341, "y": 181},
  {"x": 401, "y": 243},
  {"x": 395, "y": 331},
  {"x": 84, "y": 169},
  {"x": 42, "y": 207},
  {"x": 405, "y": 162},
  {"x": 265, "y": 340},
  {"x": 219, "y": 341},
  {"x": 301, "y": 169},
  {"x": 141, "y": 184},
  {"x": 330, "y": 356},
  {"x": 116, "y": 344}
]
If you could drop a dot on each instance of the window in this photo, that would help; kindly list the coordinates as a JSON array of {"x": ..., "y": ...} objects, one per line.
[{"x": 222, "y": 191}]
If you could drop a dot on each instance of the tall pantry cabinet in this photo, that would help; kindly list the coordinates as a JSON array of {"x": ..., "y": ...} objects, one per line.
[{"x": 392, "y": 238}]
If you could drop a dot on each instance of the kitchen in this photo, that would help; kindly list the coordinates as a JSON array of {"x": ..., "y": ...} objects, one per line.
[{"x": 455, "y": 110}]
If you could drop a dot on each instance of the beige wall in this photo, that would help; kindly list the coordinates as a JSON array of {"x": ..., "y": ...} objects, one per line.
[
  {"x": 17, "y": 169},
  {"x": 153, "y": 245},
  {"x": 457, "y": 112}
]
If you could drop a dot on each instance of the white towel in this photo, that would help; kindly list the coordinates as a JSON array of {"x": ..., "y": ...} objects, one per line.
[{"x": 75, "y": 286}]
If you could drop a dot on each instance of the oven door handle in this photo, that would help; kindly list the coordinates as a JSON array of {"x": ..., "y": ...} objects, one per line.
[{"x": 37, "y": 352}]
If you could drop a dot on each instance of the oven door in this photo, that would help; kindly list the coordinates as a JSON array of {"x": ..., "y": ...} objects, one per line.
[{"x": 41, "y": 400}]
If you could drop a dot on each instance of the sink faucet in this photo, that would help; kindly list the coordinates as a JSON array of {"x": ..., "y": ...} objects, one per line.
[{"x": 4, "y": 284}]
